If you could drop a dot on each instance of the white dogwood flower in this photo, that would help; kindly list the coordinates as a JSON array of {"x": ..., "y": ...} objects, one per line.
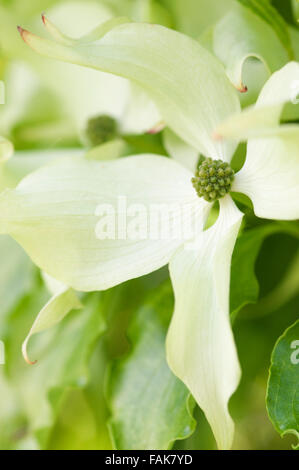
[
  {"x": 86, "y": 94},
  {"x": 52, "y": 213},
  {"x": 86, "y": 104}
]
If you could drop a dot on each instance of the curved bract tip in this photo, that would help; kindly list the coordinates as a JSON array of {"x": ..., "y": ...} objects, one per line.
[
  {"x": 242, "y": 88},
  {"x": 25, "y": 354},
  {"x": 56, "y": 34},
  {"x": 157, "y": 128},
  {"x": 23, "y": 32},
  {"x": 216, "y": 136}
]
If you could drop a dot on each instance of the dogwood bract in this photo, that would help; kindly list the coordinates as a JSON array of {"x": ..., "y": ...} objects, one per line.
[
  {"x": 83, "y": 94},
  {"x": 52, "y": 212},
  {"x": 86, "y": 94}
]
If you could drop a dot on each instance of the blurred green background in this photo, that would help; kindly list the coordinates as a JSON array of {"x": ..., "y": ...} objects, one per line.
[{"x": 67, "y": 399}]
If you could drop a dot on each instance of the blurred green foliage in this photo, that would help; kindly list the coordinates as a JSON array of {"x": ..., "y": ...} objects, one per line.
[{"x": 86, "y": 387}]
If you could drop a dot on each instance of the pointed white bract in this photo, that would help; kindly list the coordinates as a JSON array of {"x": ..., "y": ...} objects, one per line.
[
  {"x": 162, "y": 62},
  {"x": 270, "y": 175},
  {"x": 281, "y": 88},
  {"x": 53, "y": 213},
  {"x": 56, "y": 214},
  {"x": 200, "y": 344}
]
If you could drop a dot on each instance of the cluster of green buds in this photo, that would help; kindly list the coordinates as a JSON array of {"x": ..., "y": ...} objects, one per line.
[
  {"x": 213, "y": 179},
  {"x": 101, "y": 129}
]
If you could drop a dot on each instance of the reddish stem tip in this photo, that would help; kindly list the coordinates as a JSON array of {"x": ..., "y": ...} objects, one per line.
[
  {"x": 243, "y": 89},
  {"x": 31, "y": 363},
  {"x": 216, "y": 136},
  {"x": 22, "y": 32}
]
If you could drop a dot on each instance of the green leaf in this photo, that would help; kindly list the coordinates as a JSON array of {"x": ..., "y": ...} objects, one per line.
[
  {"x": 193, "y": 17},
  {"x": 16, "y": 275},
  {"x": 283, "y": 385},
  {"x": 150, "y": 407},
  {"x": 268, "y": 13},
  {"x": 12, "y": 418},
  {"x": 150, "y": 11},
  {"x": 77, "y": 426},
  {"x": 63, "y": 351},
  {"x": 244, "y": 285},
  {"x": 294, "y": 34}
]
